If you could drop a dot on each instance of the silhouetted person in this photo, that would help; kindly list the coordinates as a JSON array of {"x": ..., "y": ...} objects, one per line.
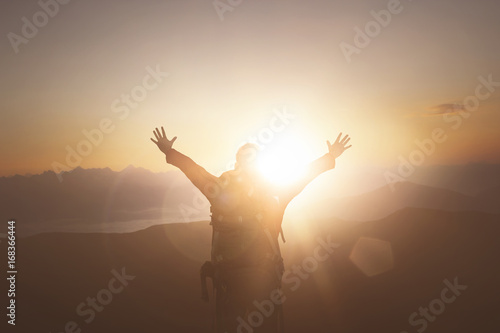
[{"x": 247, "y": 211}]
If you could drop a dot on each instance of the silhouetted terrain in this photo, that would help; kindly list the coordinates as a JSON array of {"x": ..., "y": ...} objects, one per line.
[
  {"x": 469, "y": 179},
  {"x": 102, "y": 200},
  {"x": 383, "y": 201},
  {"x": 58, "y": 271},
  {"x": 96, "y": 200}
]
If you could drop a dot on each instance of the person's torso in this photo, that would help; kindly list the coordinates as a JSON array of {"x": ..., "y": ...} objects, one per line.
[{"x": 246, "y": 219}]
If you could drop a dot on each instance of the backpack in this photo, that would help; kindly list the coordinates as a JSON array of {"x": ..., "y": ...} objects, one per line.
[{"x": 245, "y": 221}]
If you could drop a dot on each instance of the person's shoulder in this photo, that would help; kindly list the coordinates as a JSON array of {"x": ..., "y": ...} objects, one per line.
[
  {"x": 227, "y": 176},
  {"x": 228, "y": 173}
]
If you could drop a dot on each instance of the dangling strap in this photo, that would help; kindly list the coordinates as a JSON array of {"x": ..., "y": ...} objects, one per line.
[
  {"x": 206, "y": 271},
  {"x": 282, "y": 235}
]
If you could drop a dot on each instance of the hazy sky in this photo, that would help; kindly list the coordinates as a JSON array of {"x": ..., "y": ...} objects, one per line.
[{"x": 227, "y": 77}]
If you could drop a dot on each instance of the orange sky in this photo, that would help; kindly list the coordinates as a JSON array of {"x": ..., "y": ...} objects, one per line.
[{"x": 226, "y": 78}]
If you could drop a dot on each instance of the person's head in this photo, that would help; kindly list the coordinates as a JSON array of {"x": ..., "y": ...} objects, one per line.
[{"x": 246, "y": 156}]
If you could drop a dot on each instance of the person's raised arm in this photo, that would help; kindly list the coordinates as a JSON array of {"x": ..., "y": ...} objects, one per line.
[
  {"x": 201, "y": 178},
  {"x": 315, "y": 168}
]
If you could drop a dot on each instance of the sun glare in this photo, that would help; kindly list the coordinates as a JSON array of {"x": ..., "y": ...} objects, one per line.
[
  {"x": 281, "y": 169},
  {"x": 284, "y": 161}
]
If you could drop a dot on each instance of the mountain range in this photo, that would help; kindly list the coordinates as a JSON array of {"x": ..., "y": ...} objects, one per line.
[{"x": 103, "y": 200}]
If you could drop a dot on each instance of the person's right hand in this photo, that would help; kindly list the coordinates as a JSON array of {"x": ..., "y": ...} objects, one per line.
[
  {"x": 339, "y": 146},
  {"x": 162, "y": 142}
]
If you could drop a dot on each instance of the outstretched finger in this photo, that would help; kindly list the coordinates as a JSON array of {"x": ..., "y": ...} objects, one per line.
[
  {"x": 338, "y": 138},
  {"x": 347, "y": 147},
  {"x": 163, "y": 132},
  {"x": 156, "y": 142},
  {"x": 346, "y": 141},
  {"x": 173, "y": 140},
  {"x": 344, "y": 138},
  {"x": 156, "y": 133},
  {"x": 328, "y": 143}
]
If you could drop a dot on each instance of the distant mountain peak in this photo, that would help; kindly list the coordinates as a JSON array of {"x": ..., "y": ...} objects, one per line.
[
  {"x": 129, "y": 167},
  {"x": 133, "y": 169}
]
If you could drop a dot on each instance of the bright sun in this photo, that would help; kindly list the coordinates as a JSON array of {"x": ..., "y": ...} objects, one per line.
[{"x": 284, "y": 161}]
